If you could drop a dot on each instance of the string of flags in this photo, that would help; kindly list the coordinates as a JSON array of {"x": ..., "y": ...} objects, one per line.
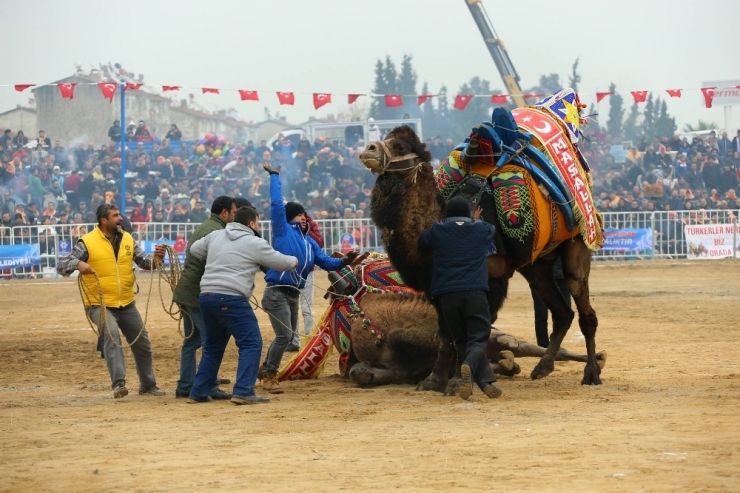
[{"x": 460, "y": 102}]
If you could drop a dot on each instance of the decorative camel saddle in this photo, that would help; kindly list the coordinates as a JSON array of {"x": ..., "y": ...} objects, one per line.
[{"x": 528, "y": 161}]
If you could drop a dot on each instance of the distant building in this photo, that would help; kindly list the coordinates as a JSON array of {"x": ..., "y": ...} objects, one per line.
[{"x": 20, "y": 118}]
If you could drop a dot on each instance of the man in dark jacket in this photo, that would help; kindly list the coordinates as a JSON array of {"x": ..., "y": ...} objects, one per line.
[
  {"x": 459, "y": 286},
  {"x": 186, "y": 296},
  {"x": 281, "y": 297}
]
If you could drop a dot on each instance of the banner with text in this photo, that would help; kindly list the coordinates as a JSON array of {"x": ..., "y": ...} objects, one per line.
[
  {"x": 628, "y": 239},
  {"x": 711, "y": 241},
  {"x": 19, "y": 256}
]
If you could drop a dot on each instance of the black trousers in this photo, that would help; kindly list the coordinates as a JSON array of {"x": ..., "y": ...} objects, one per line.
[
  {"x": 540, "y": 310},
  {"x": 468, "y": 318}
]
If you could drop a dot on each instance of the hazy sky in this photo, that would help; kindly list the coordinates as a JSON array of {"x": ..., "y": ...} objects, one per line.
[{"x": 310, "y": 46}]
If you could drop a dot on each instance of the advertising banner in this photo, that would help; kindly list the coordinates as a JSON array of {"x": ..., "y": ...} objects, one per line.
[
  {"x": 628, "y": 239},
  {"x": 712, "y": 241},
  {"x": 12, "y": 256}
]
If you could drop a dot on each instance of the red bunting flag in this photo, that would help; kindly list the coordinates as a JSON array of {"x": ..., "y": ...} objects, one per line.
[
  {"x": 351, "y": 98},
  {"x": 708, "y": 93},
  {"x": 738, "y": 87},
  {"x": 640, "y": 96},
  {"x": 602, "y": 95},
  {"x": 133, "y": 86},
  {"x": 67, "y": 90},
  {"x": 248, "y": 95},
  {"x": 320, "y": 99},
  {"x": 392, "y": 100},
  {"x": 532, "y": 95},
  {"x": 171, "y": 88},
  {"x": 108, "y": 89},
  {"x": 211, "y": 90},
  {"x": 23, "y": 87},
  {"x": 674, "y": 93},
  {"x": 498, "y": 99},
  {"x": 461, "y": 101},
  {"x": 286, "y": 98},
  {"x": 423, "y": 98}
]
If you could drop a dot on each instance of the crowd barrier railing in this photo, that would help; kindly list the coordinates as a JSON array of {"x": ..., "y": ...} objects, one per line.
[{"x": 629, "y": 236}]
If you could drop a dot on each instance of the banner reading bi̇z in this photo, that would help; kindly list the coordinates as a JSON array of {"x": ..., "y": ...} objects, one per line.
[
  {"x": 19, "y": 256},
  {"x": 710, "y": 241},
  {"x": 628, "y": 239}
]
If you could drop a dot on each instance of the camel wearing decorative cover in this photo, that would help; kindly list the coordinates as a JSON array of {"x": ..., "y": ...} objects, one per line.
[{"x": 405, "y": 202}]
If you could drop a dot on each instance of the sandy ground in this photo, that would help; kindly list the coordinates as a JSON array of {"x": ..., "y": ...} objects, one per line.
[{"x": 667, "y": 417}]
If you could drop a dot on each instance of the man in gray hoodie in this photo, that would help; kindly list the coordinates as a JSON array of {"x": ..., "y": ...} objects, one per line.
[{"x": 233, "y": 256}]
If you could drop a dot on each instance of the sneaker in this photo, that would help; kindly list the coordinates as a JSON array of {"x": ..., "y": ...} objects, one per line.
[
  {"x": 491, "y": 390},
  {"x": 223, "y": 381},
  {"x": 198, "y": 400},
  {"x": 292, "y": 349},
  {"x": 153, "y": 390},
  {"x": 270, "y": 383},
  {"x": 182, "y": 393},
  {"x": 466, "y": 382},
  {"x": 249, "y": 399},
  {"x": 120, "y": 391},
  {"x": 220, "y": 395}
]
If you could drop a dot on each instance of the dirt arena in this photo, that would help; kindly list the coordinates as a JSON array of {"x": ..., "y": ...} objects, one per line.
[{"x": 666, "y": 418}]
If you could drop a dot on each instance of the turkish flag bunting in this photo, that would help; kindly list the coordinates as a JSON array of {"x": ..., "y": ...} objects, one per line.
[
  {"x": 170, "y": 88},
  {"x": 461, "y": 101},
  {"x": 211, "y": 90},
  {"x": 738, "y": 87},
  {"x": 67, "y": 90},
  {"x": 320, "y": 99},
  {"x": 351, "y": 98},
  {"x": 602, "y": 95},
  {"x": 708, "y": 93},
  {"x": 248, "y": 95},
  {"x": 133, "y": 86},
  {"x": 392, "y": 100},
  {"x": 499, "y": 99},
  {"x": 286, "y": 98},
  {"x": 23, "y": 87},
  {"x": 532, "y": 95},
  {"x": 108, "y": 89},
  {"x": 674, "y": 93},
  {"x": 423, "y": 98},
  {"x": 640, "y": 96}
]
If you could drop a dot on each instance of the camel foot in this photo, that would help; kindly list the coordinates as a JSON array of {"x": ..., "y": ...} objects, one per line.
[
  {"x": 362, "y": 375},
  {"x": 543, "y": 368},
  {"x": 507, "y": 365},
  {"x": 453, "y": 387},
  {"x": 431, "y": 383},
  {"x": 601, "y": 359},
  {"x": 591, "y": 375}
]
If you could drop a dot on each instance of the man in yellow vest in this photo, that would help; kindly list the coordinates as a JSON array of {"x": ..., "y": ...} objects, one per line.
[{"x": 110, "y": 252}]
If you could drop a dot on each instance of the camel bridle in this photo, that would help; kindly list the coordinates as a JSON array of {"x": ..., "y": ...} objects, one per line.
[{"x": 389, "y": 159}]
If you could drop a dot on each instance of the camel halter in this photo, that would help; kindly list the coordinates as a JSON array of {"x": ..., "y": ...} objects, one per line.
[{"x": 389, "y": 159}]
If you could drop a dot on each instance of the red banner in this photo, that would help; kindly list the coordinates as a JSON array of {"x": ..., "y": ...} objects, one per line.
[
  {"x": 351, "y": 98},
  {"x": 67, "y": 90},
  {"x": 674, "y": 93},
  {"x": 133, "y": 86},
  {"x": 499, "y": 99},
  {"x": 248, "y": 95},
  {"x": 211, "y": 90},
  {"x": 708, "y": 93},
  {"x": 422, "y": 99},
  {"x": 602, "y": 95},
  {"x": 23, "y": 87},
  {"x": 108, "y": 89},
  {"x": 640, "y": 96},
  {"x": 320, "y": 99},
  {"x": 393, "y": 100},
  {"x": 286, "y": 98},
  {"x": 171, "y": 88},
  {"x": 461, "y": 101}
]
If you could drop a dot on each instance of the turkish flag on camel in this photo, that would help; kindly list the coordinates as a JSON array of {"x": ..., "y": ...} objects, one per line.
[
  {"x": 393, "y": 100},
  {"x": 708, "y": 93},
  {"x": 320, "y": 99},
  {"x": 248, "y": 95},
  {"x": 108, "y": 89},
  {"x": 461, "y": 101},
  {"x": 286, "y": 98},
  {"x": 67, "y": 90}
]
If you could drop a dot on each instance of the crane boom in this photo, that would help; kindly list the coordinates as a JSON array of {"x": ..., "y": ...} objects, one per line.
[{"x": 497, "y": 50}]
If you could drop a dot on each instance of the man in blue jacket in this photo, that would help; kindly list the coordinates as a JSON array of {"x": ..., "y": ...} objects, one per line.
[
  {"x": 281, "y": 297},
  {"x": 459, "y": 286}
]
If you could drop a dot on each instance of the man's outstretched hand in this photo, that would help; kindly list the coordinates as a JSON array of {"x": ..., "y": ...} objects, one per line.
[
  {"x": 271, "y": 169},
  {"x": 349, "y": 258}
]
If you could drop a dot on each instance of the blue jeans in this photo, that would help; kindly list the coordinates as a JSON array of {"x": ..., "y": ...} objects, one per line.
[
  {"x": 282, "y": 306},
  {"x": 193, "y": 324},
  {"x": 223, "y": 316}
]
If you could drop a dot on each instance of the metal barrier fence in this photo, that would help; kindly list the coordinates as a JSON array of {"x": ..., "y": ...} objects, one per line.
[{"x": 667, "y": 230}]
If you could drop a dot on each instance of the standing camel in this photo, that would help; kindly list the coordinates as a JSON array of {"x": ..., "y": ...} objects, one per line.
[{"x": 405, "y": 202}]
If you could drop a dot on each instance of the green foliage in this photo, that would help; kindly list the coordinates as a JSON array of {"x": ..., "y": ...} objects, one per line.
[
  {"x": 574, "y": 78},
  {"x": 407, "y": 85},
  {"x": 386, "y": 82},
  {"x": 664, "y": 123},
  {"x": 549, "y": 84},
  {"x": 630, "y": 128},
  {"x": 701, "y": 125},
  {"x": 616, "y": 114}
]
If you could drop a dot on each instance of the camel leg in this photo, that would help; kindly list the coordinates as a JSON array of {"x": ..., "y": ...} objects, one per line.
[
  {"x": 446, "y": 358},
  {"x": 364, "y": 374},
  {"x": 577, "y": 268},
  {"x": 540, "y": 278},
  {"x": 506, "y": 365},
  {"x": 500, "y": 342}
]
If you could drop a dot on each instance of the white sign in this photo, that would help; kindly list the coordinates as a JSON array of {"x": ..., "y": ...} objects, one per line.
[
  {"x": 727, "y": 92},
  {"x": 711, "y": 241}
]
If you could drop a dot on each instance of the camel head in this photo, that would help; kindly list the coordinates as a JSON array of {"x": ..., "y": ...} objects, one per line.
[{"x": 401, "y": 151}]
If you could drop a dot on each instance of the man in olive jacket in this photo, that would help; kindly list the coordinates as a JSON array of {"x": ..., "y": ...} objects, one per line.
[{"x": 187, "y": 292}]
